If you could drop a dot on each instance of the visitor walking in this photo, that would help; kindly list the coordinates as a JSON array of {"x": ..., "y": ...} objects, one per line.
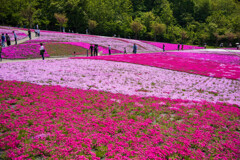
[
  {"x": 3, "y": 40},
  {"x": 15, "y": 37},
  {"x": 109, "y": 49},
  {"x": 91, "y": 49},
  {"x": 163, "y": 47},
  {"x": 8, "y": 40},
  {"x": 29, "y": 34},
  {"x": 42, "y": 50},
  {"x": 1, "y": 52},
  {"x": 96, "y": 50},
  {"x": 205, "y": 45},
  {"x": 125, "y": 51},
  {"x": 178, "y": 47},
  {"x": 134, "y": 48},
  {"x": 182, "y": 46}
]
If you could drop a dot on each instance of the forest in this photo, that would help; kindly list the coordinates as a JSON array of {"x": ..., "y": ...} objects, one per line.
[{"x": 176, "y": 21}]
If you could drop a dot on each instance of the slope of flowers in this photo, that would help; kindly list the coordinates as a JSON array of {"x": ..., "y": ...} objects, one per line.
[
  {"x": 123, "y": 78},
  {"x": 115, "y": 43},
  {"x": 104, "y": 50},
  {"x": 50, "y": 122},
  {"x": 20, "y": 35},
  {"x": 189, "y": 65},
  {"x": 170, "y": 46},
  {"x": 22, "y": 51},
  {"x": 208, "y": 56}
]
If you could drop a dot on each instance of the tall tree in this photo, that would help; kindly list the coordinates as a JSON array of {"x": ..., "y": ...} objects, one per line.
[
  {"x": 137, "y": 27},
  {"x": 61, "y": 19},
  {"x": 28, "y": 14},
  {"x": 158, "y": 29}
]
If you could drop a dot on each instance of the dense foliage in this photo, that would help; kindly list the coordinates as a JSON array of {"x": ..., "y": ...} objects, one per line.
[{"x": 182, "y": 21}]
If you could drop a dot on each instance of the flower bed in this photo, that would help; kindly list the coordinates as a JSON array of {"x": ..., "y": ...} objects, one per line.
[
  {"x": 51, "y": 122},
  {"x": 170, "y": 46},
  {"x": 123, "y": 78},
  {"x": 208, "y": 56},
  {"x": 22, "y": 51},
  {"x": 189, "y": 65},
  {"x": 104, "y": 50},
  {"x": 20, "y": 35},
  {"x": 116, "y": 43}
]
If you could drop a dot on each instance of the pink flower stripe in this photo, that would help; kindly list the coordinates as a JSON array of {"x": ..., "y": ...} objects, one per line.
[
  {"x": 104, "y": 50},
  {"x": 170, "y": 46},
  {"x": 208, "y": 56},
  {"x": 51, "y": 122},
  {"x": 22, "y": 51},
  {"x": 195, "y": 66}
]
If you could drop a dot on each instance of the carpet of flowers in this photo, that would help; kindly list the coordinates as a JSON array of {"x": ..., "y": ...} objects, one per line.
[
  {"x": 51, "y": 122},
  {"x": 181, "y": 62},
  {"x": 22, "y": 51},
  {"x": 123, "y": 78}
]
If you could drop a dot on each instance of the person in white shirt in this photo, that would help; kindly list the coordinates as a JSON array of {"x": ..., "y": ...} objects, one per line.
[{"x": 42, "y": 50}]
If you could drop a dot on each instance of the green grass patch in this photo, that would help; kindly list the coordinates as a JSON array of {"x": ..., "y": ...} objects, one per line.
[{"x": 59, "y": 49}]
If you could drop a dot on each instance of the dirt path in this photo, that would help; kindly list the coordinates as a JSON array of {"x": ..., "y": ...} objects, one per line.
[{"x": 24, "y": 39}]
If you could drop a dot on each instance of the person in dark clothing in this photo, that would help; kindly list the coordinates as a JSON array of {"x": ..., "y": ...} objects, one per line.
[
  {"x": 8, "y": 40},
  {"x": 109, "y": 49},
  {"x": 29, "y": 34},
  {"x": 95, "y": 50},
  {"x": 91, "y": 49},
  {"x": 15, "y": 37},
  {"x": 125, "y": 51},
  {"x": 182, "y": 46},
  {"x": 178, "y": 47},
  {"x": 163, "y": 47},
  {"x": 3, "y": 40},
  {"x": 134, "y": 48}
]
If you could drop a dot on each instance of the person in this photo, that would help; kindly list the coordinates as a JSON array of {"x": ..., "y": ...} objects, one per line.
[
  {"x": 230, "y": 44},
  {"x": 38, "y": 32},
  {"x": 163, "y": 47},
  {"x": 42, "y": 50},
  {"x": 86, "y": 31},
  {"x": 205, "y": 45},
  {"x": 237, "y": 46},
  {"x": 221, "y": 45},
  {"x": 178, "y": 46},
  {"x": 91, "y": 49},
  {"x": 95, "y": 50},
  {"x": 125, "y": 51},
  {"x": 1, "y": 52},
  {"x": 109, "y": 49},
  {"x": 182, "y": 46},
  {"x": 8, "y": 40},
  {"x": 15, "y": 37},
  {"x": 134, "y": 48},
  {"x": 3, "y": 40},
  {"x": 29, "y": 34}
]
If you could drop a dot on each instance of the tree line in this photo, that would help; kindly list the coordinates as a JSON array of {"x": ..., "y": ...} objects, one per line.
[{"x": 176, "y": 21}]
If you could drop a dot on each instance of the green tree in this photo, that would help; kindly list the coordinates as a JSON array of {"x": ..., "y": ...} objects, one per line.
[
  {"x": 158, "y": 29},
  {"x": 136, "y": 27},
  {"x": 28, "y": 14},
  {"x": 92, "y": 25},
  {"x": 61, "y": 19}
]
